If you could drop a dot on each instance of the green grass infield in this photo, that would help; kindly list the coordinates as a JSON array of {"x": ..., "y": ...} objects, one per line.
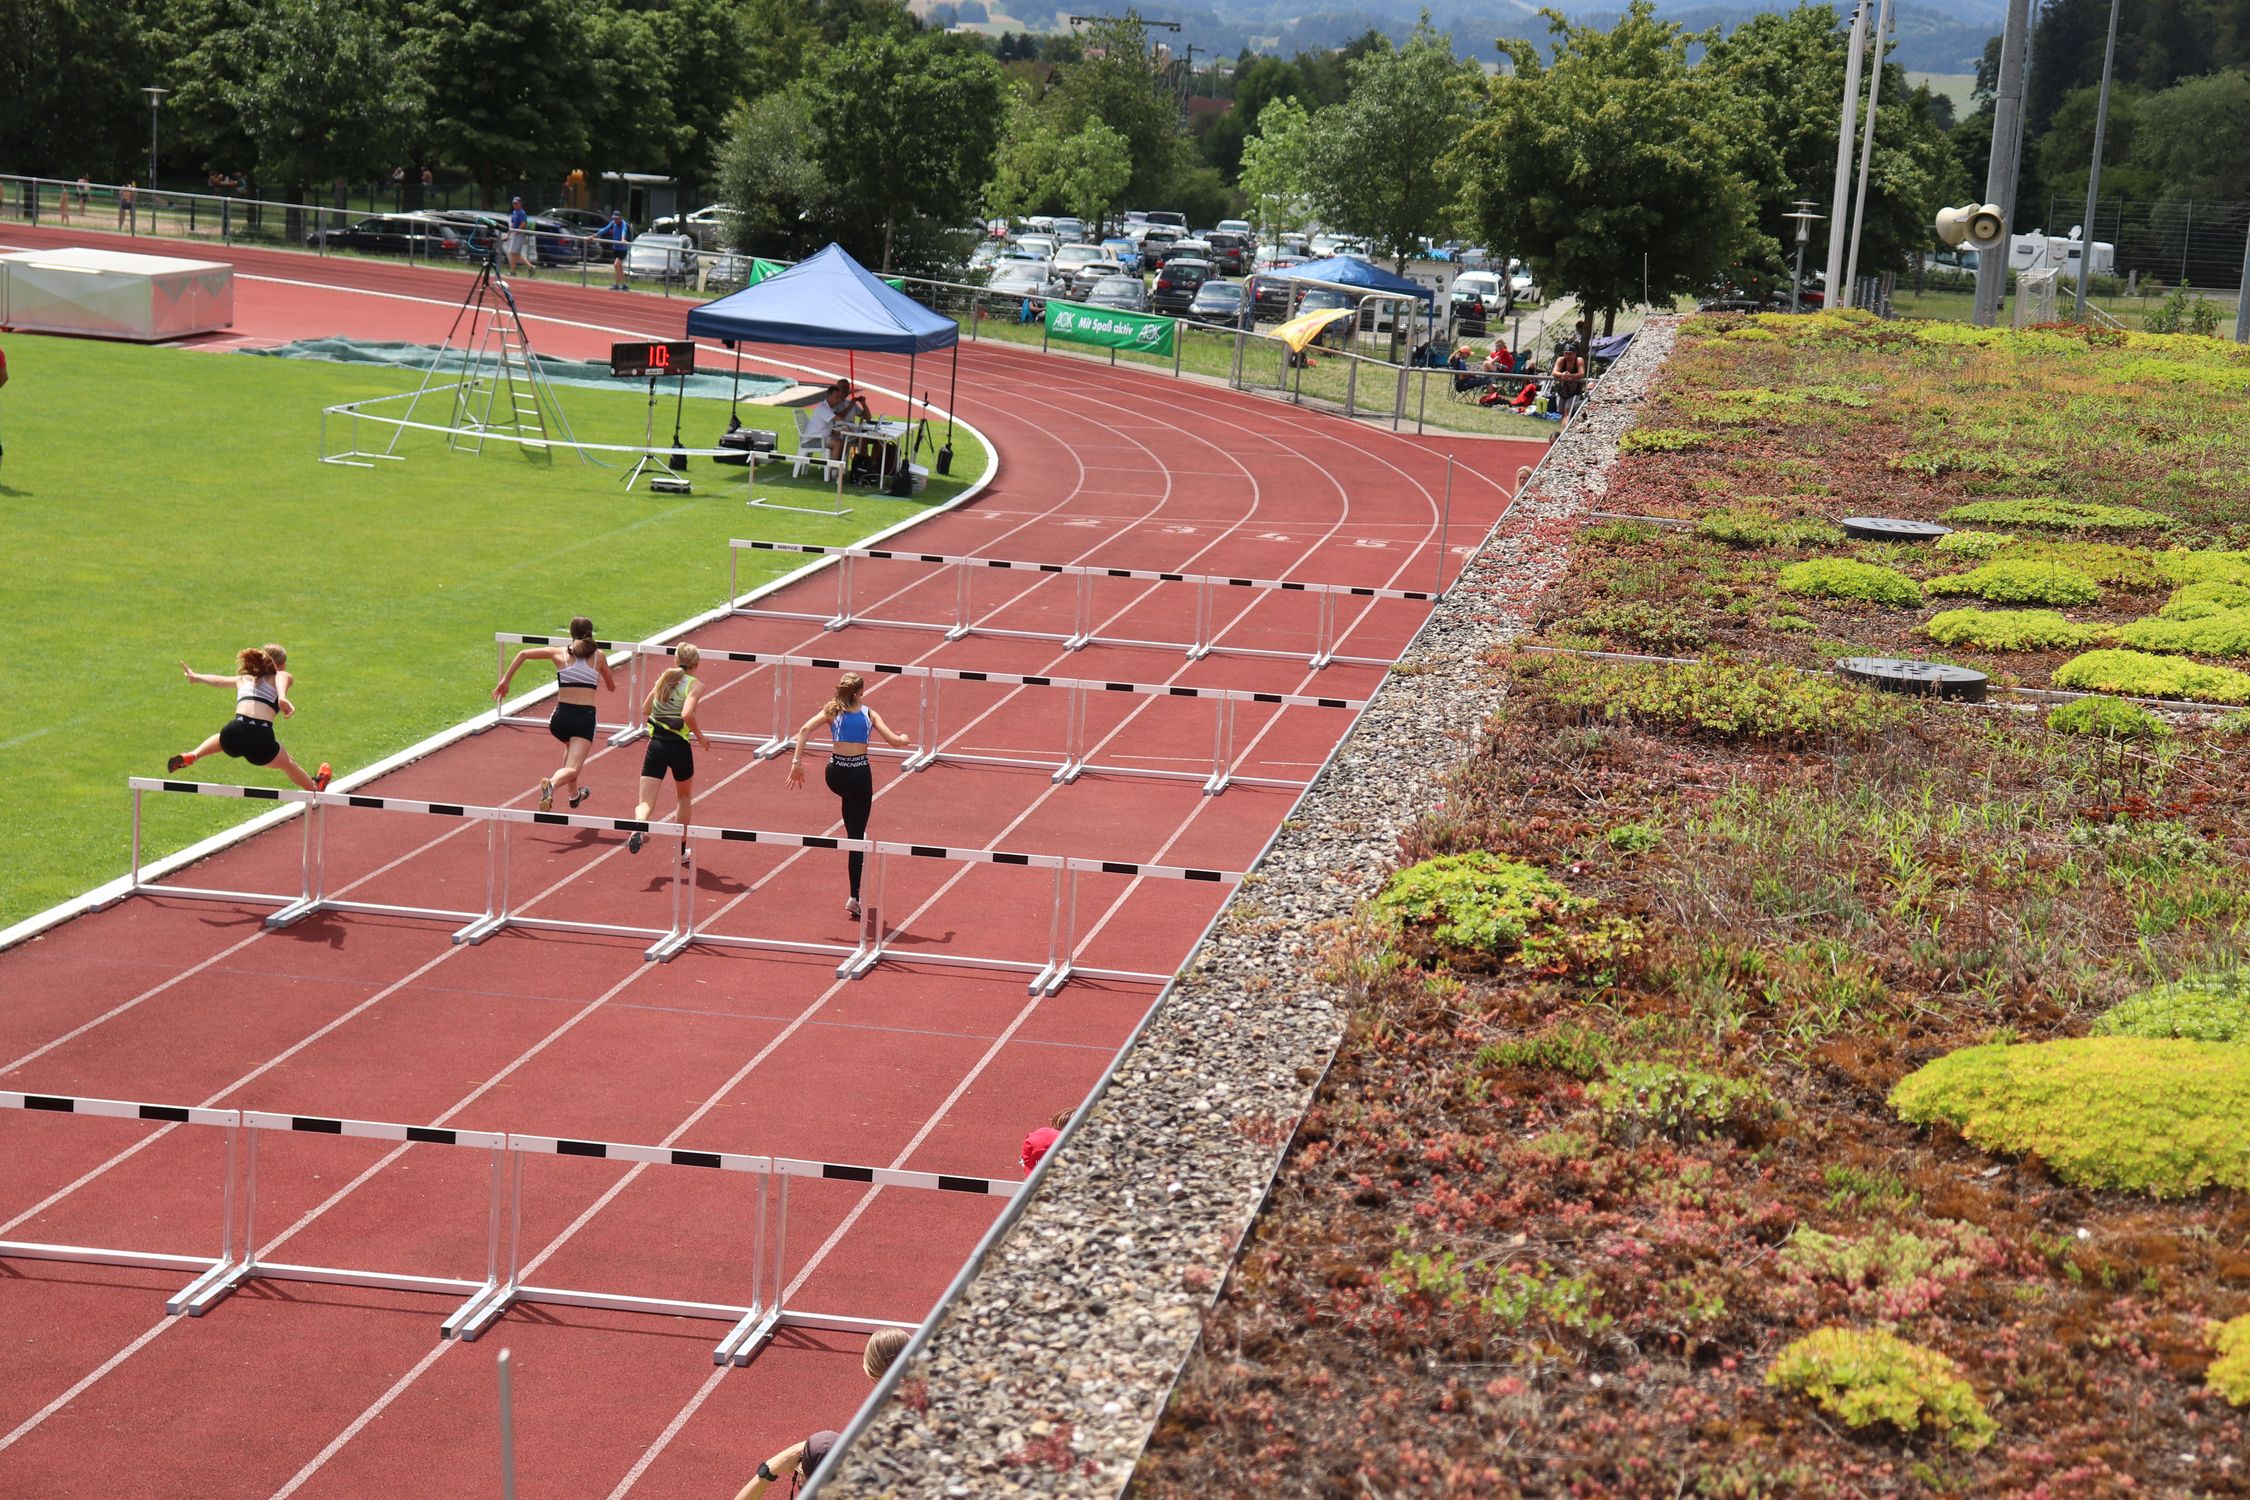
[{"x": 159, "y": 503}]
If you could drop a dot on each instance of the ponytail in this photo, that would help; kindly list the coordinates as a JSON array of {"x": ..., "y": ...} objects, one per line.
[
  {"x": 276, "y": 655},
  {"x": 848, "y": 688},
  {"x": 581, "y": 637},
  {"x": 256, "y": 661},
  {"x": 687, "y": 659}
]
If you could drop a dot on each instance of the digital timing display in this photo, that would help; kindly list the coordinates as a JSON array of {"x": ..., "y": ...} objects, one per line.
[{"x": 646, "y": 358}]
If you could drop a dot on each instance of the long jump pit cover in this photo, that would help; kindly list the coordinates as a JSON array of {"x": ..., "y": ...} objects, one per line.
[{"x": 112, "y": 295}]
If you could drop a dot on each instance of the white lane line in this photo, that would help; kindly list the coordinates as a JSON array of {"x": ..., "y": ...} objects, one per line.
[{"x": 63, "y": 1400}]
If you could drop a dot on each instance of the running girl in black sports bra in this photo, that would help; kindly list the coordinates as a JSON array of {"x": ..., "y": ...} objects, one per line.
[
  {"x": 580, "y": 668},
  {"x": 671, "y": 726},
  {"x": 849, "y": 775},
  {"x": 261, "y": 690}
]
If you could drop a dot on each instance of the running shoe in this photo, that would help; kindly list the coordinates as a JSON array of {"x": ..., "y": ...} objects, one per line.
[
  {"x": 177, "y": 763},
  {"x": 322, "y": 777},
  {"x": 581, "y": 795},
  {"x": 633, "y": 844},
  {"x": 683, "y": 854},
  {"x": 851, "y": 907},
  {"x": 547, "y": 795}
]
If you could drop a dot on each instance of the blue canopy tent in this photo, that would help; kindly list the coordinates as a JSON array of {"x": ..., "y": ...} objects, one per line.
[
  {"x": 831, "y": 301},
  {"x": 1354, "y": 277}
]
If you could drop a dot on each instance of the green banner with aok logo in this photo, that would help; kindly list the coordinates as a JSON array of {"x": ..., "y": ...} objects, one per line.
[{"x": 1080, "y": 324}]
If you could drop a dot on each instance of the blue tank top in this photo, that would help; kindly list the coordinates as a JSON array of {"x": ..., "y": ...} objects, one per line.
[{"x": 850, "y": 727}]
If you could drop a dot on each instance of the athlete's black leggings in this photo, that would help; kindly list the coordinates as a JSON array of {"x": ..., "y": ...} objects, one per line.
[{"x": 853, "y": 780}]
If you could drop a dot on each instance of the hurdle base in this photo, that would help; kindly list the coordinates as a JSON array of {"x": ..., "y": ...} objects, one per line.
[
  {"x": 477, "y": 931},
  {"x": 1050, "y": 980},
  {"x": 1218, "y": 783},
  {"x": 919, "y": 760},
  {"x": 958, "y": 633},
  {"x": 747, "y": 1336},
  {"x": 210, "y": 1289},
  {"x": 625, "y": 736},
  {"x": 665, "y": 949},
  {"x": 480, "y": 1312},
  {"x": 1078, "y": 642},
  {"x": 769, "y": 749},
  {"x": 1198, "y": 652},
  {"x": 836, "y": 622},
  {"x": 1068, "y": 772}
]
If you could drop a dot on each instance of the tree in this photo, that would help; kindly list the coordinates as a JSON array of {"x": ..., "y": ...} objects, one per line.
[
  {"x": 770, "y": 177},
  {"x": 324, "y": 90},
  {"x": 2191, "y": 137},
  {"x": 1038, "y": 168},
  {"x": 1383, "y": 163},
  {"x": 907, "y": 129},
  {"x": 1257, "y": 83},
  {"x": 1613, "y": 162},
  {"x": 2066, "y": 151},
  {"x": 702, "y": 44},
  {"x": 1788, "y": 67},
  {"x": 1117, "y": 82},
  {"x": 1277, "y": 166},
  {"x": 510, "y": 85},
  {"x": 71, "y": 72}
]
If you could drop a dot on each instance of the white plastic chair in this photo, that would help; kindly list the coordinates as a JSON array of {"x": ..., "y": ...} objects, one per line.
[{"x": 812, "y": 448}]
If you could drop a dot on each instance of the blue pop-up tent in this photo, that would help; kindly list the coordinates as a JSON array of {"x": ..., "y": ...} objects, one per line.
[
  {"x": 831, "y": 301},
  {"x": 1348, "y": 273}
]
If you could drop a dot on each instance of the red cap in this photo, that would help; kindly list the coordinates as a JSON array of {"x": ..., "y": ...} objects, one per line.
[{"x": 1036, "y": 1144}]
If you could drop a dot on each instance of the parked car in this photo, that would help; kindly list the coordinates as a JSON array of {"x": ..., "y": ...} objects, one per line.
[
  {"x": 1069, "y": 257},
  {"x": 1274, "y": 293},
  {"x": 1522, "y": 285},
  {"x": 555, "y": 243},
  {"x": 395, "y": 234},
  {"x": 1236, "y": 226},
  {"x": 1191, "y": 249},
  {"x": 1217, "y": 302},
  {"x": 665, "y": 256},
  {"x": 1086, "y": 277},
  {"x": 1167, "y": 217},
  {"x": 1318, "y": 299},
  {"x": 1070, "y": 231},
  {"x": 1156, "y": 239},
  {"x": 1478, "y": 296},
  {"x": 1124, "y": 250},
  {"x": 584, "y": 220},
  {"x": 1026, "y": 279},
  {"x": 1121, "y": 293},
  {"x": 1179, "y": 281},
  {"x": 1036, "y": 246},
  {"x": 1230, "y": 250},
  {"x": 706, "y": 226}
]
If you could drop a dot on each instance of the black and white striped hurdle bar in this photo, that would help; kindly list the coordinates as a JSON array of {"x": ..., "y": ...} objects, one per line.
[
  {"x": 1081, "y": 690},
  {"x": 499, "y": 913},
  {"x": 619, "y": 731},
  {"x": 501, "y": 1286},
  {"x": 1082, "y": 632}
]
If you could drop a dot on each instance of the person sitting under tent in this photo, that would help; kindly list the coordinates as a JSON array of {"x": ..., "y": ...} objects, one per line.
[{"x": 820, "y": 419}]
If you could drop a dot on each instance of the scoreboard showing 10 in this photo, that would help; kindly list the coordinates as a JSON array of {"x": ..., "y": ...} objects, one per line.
[{"x": 644, "y": 357}]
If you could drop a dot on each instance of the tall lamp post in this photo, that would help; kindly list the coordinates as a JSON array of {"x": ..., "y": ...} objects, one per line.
[
  {"x": 1805, "y": 219},
  {"x": 155, "y": 97},
  {"x": 2094, "y": 172}
]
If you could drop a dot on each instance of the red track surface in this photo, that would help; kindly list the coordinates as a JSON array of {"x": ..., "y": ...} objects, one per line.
[{"x": 295, "y": 1388}]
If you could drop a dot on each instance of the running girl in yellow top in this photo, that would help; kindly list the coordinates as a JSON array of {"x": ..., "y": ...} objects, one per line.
[
  {"x": 671, "y": 726},
  {"x": 850, "y": 724},
  {"x": 261, "y": 690},
  {"x": 580, "y": 668}
]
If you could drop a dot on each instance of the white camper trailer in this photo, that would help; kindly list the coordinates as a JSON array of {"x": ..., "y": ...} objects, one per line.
[{"x": 2054, "y": 252}]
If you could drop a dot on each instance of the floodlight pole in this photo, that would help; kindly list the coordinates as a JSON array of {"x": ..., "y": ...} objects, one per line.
[
  {"x": 1804, "y": 217},
  {"x": 155, "y": 97},
  {"x": 2094, "y": 172},
  {"x": 1867, "y": 148},
  {"x": 2000, "y": 175},
  {"x": 1837, "y": 215}
]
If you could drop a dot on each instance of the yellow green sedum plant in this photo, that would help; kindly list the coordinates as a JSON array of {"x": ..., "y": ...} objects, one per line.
[
  {"x": 2057, "y": 515},
  {"x": 2013, "y": 581},
  {"x": 2223, "y": 632},
  {"x": 2229, "y": 1374},
  {"x": 2010, "y": 630},
  {"x": 1843, "y": 578},
  {"x": 2198, "y": 1008},
  {"x": 2165, "y": 1118},
  {"x": 1862, "y": 1376},
  {"x": 2143, "y": 675},
  {"x": 1478, "y": 904}
]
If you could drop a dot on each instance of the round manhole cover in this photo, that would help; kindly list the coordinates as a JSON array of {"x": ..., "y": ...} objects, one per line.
[
  {"x": 1899, "y": 675},
  {"x": 1891, "y": 529}
]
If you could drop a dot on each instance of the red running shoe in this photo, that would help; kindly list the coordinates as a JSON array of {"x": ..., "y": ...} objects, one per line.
[{"x": 322, "y": 777}]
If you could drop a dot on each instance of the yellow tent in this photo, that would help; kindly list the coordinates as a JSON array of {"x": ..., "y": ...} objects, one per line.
[{"x": 1305, "y": 327}]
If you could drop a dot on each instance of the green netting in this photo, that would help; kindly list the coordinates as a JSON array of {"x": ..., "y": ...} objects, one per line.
[{"x": 594, "y": 373}]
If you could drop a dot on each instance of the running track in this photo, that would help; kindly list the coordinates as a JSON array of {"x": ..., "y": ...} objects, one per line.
[{"x": 292, "y": 1388}]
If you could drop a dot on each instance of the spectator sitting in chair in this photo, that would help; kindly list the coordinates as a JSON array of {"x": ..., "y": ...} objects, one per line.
[
  {"x": 838, "y": 405},
  {"x": 1500, "y": 361}
]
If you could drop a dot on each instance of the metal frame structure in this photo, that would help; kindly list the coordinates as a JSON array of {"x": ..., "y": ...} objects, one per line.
[
  {"x": 486, "y": 1299},
  {"x": 1074, "y": 760},
  {"x": 1082, "y": 634},
  {"x": 876, "y": 935}
]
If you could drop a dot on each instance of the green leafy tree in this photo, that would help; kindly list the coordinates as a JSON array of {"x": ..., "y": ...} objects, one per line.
[
  {"x": 1038, "y": 168},
  {"x": 325, "y": 90},
  {"x": 2065, "y": 151},
  {"x": 700, "y": 45},
  {"x": 1277, "y": 167},
  {"x": 1383, "y": 163},
  {"x": 1788, "y": 67},
  {"x": 1117, "y": 82},
  {"x": 1613, "y": 157},
  {"x": 1258, "y": 82},
  {"x": 769, "y": 176},
  {"x": 511, "y": 84},
  {"x": 907, "y": 129},
  {"x": 2193, "y": 137},
  {"x": 71, "y": 72}
]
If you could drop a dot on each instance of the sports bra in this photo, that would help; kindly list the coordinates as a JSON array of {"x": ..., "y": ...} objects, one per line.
[
  {"x": 578, "y": 671},
  {"x": 850, "y": 726},
  {"x": 668, "y": 712},
  {"x": 261, "y": 690}
]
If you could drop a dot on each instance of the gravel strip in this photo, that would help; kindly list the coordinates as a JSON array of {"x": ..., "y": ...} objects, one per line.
[{"x": 1049, "y": 1372}]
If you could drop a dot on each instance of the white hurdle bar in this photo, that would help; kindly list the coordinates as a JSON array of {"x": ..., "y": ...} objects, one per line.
[
  {"x": 1074, "y": 763},
  {"x": 1082, "y": 634},
  {"x": 620, "y": 732},
  {"x": 855, "y": 961},
  {"x": 485, "y": 1300}
]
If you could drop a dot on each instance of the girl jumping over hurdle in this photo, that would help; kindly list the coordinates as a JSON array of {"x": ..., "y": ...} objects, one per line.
[
  {"x": 261, "y": 690},
  {"x": 849, "y": 776},
  {"x": 580, "y": 668},
  {"x": 670, "y": 711}
]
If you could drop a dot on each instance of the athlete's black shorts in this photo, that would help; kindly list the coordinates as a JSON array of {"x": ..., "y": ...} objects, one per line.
[
  {"x": 668, "y": 752},
  {"x": 572, "y": 721},
  {"x": 250, "y": 739}
]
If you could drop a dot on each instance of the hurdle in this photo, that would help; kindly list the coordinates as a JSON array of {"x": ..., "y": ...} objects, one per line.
[
  {"x": 1082, "y": 633},
  {"x": 484, "y": 1300},
  {"x": 1074, "y": 761},
  {"x": 621, "y": 732},
  {"x": 876, "y": 937}
]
